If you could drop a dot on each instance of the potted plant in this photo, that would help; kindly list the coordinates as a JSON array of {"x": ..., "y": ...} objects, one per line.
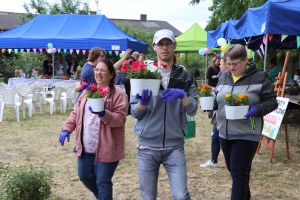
[
  {"x": 236, "y": 106},
  {"x": 142, "y": 77},
  {"x": 95, "y": 96},
  {"x": 207, "y": 97}
]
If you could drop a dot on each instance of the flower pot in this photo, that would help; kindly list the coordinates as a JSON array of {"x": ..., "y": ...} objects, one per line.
[
  {"x": 236, "y": 112},
  {"x": 207, "y": 103},
  {"x": 138, "y": 85},
  {"x": 97, "y": 105}
]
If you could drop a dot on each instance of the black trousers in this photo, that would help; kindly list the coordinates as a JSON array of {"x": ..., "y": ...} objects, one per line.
[{"x": 238, "y": 157}]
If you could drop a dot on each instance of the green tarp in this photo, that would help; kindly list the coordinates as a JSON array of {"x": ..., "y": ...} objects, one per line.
[{"x": 191, "y": 40}]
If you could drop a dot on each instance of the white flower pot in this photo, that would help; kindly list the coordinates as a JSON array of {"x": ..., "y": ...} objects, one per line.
[
  {"x": 207, "y": 103},
  {"x": 97, "y": 105},
  {"x": 138, "y": 85},
  {"x": 236, "y": 112}
]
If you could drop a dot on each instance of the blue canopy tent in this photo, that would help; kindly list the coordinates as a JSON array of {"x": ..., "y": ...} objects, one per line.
[
  {"x": 70, "y": 31},
  {"x": 276, "y": 17}
]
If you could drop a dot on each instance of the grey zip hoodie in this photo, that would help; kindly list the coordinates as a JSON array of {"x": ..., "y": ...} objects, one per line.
[
  {"x": 163, "y": 124},
  {"x": 260, "y": 90}
]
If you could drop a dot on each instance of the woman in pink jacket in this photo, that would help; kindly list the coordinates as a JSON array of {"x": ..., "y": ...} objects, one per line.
[{"x": 99, "y": 136}]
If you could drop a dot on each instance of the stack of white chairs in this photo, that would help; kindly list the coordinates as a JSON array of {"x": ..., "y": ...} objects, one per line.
[
  {"x": 25, "y": 92},
  {"x": 71, "y": 96},
  {"x": 37, "y": 90},
  {"x": 10, "y": 98},
  {"x": 57, "y": 95}
]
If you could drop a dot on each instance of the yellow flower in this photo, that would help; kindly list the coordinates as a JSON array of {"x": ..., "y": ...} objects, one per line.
[
  {"x": 243, "y": 96},
  {"x": 227, "y": 96}
]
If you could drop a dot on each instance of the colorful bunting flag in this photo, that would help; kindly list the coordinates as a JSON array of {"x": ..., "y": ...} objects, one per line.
[
  {"x": 27, "y": 50},
  {"x": 83, "y": 51},
  {"x": 65, "y": 51},
  {"x": 283, "y": 37},
  {"x": 71, "y": 51},
  {"x": 9, "y": 50},
  {"x": 58, "y": 50},
  {"x": 77, "y": 51},
  {"x": 270, "y": 36},
  {"x": 117, "y": 53},
  {"x": 298, "y": 42},
  {"x": 34, "y": 50},
  {"x": 41, "y": 50},
  {"x": 109, "y": 52},
  {"x": 16, "y": 50},
  {"x": 22, "y": 50},
  {"x": 3, "y": 51}
]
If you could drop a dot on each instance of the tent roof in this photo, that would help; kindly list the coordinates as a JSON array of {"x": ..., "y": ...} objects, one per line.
[
  {"x": 273, "y": 17},
  {"x": 70, "y": 31},
  {"x": 192, "y": 40}
]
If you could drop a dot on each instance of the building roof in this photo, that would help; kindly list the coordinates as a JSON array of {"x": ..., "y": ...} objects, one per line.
[{"x": 10, "y": 20}]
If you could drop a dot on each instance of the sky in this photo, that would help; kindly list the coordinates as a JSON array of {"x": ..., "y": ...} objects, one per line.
[{"x": 179, "y": 13}]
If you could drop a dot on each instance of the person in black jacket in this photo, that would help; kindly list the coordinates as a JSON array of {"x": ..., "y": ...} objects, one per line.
[{"x": 213, "y": 72}]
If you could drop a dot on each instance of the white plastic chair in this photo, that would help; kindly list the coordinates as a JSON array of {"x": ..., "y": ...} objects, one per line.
[
  {"x": 71, "y": 96},
  {"x": 25, "y": 92},
  {"x": 57, "y": 95},
  {"x": 10, "y": 99},
  {"x": 2, "y": 88},
  {"x": 37, "y": 96}
]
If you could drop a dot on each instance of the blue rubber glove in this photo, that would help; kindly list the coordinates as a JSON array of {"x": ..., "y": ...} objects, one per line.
[
  {"x": 252, "y": 112},
  {"x": 172, "y": 93},
  {"x": 145, "y": 98},
  {"x": 100, "y": 114},
  {"x": 63, "y": 136}
]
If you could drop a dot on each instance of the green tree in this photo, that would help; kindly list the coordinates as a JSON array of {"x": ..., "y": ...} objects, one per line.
[
  {"x": 140, "y": 35},
  {"x": 223, "y": 10},
  {"x": 64, "y": 7}
]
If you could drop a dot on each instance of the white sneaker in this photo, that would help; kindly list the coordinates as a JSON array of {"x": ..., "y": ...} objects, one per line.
[{"x": 209, "y": 164}]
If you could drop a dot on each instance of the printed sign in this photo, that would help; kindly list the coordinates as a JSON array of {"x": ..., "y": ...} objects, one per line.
[
  {"x": 272, "y": 121},
  {"x": 115, "y": 47}
]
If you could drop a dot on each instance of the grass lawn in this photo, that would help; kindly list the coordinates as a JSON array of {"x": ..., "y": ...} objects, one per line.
[{"x": 35, "y": 141}]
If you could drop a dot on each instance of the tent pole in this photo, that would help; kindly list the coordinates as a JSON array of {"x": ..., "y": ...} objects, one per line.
[
  {"x": 53, "y": 65},
  {"x": 266, "y": 52},
  {"x": 206, "y": 66}
]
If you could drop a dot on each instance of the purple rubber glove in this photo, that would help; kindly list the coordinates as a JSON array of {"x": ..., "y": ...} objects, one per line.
[
  {"x": 172, "y": 93},
  {"x": 63, "y": 136},
  {"x": 145, "y": 98},
  {"x": 100, "y": 114},
  {"x": 252, "y": 112}
]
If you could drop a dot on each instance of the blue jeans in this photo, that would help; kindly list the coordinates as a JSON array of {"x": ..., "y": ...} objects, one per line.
[
  {"x": 148, "y": 169},
  {"x": 96, "y": 176},
  {"x": 215, "y": 144},
  {"x": 238, "y": 155}
]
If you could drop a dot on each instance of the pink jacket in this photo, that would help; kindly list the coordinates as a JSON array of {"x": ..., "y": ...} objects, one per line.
[{"x": 111, "y": 145}]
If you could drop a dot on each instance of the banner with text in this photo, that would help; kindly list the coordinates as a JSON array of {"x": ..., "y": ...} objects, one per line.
[{"x": 272, "y": 121}]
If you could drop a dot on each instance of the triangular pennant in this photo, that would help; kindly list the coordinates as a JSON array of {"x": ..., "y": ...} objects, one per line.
[
  {"x": 270, "y": 36},
  {"x": 9, "y": 50},
  {"x": 22, "y": 50},
  {"x": 3, "y": 51},
  {"x": 27, "y": 50},
  {"x": 298, "y": 42},
  {"x": 65, "y": 51},
  {"x": 77, "y": 51},
  {"x": 83, "y": 51},
  {"x": 264, "y": 39},
  {"x": 34, "y": 50},
  {"x": 41, "y": 50},
  {"x": 283, "y": 37},
  {"x": 16, "y": 50},
  {"x": 58, "y": 50},
  {"x": 117, "y": 53},
  {"x": 71, "y": 51},
  {"x": 110, "y": 52}
]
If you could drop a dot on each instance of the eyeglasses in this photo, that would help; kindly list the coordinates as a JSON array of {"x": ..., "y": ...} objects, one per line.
[
  {"x": 99, "y": 70},
  {"x": 167, "y": 45},
  {"x": 234, "y": 64}
]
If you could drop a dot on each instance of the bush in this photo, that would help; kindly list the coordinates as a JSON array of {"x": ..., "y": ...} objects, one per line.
[{"x": 26, "y": 183}]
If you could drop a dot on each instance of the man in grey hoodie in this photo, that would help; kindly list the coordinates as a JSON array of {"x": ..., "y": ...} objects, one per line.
[{"x": 161, "y": 122}]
